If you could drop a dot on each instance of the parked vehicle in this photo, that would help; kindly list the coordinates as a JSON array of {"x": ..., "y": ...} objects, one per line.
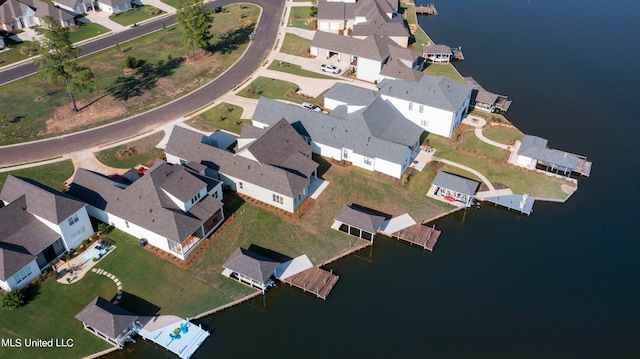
[
  {"x": 310, "y": 106},
  {"x": 217, "y": 9},
  {"x": 330, "y": 68}
]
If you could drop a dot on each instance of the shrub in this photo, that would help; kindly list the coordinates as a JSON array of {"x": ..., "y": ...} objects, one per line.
[
  {"x": 11, "y": 300},
  {"x": 105, "y": 228},
  {"x": 131, "y": 62},
  {"x": 153, "y": 11}
]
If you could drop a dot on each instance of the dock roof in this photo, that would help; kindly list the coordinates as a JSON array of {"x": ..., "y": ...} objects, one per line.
[
  {"x": 360, "y": 217},
  {"x": 456, "y": 183},
  {"x": 535, "y": 147},
  {"x": 106, "y": 317},
  {"x": 251, "y": 264}
]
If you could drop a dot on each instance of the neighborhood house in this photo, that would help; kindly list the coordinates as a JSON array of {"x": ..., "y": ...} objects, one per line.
[
  {"x": 170, "y": 207},
  {"x": 110, "y": 6},
  {"x": 37, "y": 225},
  {"x": 370, "y": 134},
  {"x": 271, "y": 165},
  {"x": 20, "y": 14}
]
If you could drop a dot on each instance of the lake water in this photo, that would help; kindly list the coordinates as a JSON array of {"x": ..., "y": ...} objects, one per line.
[{"x": 562, "y": 283}]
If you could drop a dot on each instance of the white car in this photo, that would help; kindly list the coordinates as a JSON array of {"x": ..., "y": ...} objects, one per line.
[
  {"x": 310, "y": 106},
  {"x": 330, "y": 68}
]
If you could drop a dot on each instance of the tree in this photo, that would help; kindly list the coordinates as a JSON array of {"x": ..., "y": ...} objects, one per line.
[
  {"x": 195, "y": 20},
  {"x": 58, "y": 59},
  {"x": 11, "y": 300}
]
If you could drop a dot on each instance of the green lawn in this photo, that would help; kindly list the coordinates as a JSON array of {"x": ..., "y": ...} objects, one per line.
[
  {"x": 296, "y": 70},
  {"x": 87, "y": 31},
  {"x": 13, "y": 55},
  {"x": 421, "y": 38},
  {"x": 446, "y": 70},
  {"x": 300, "y": 17},
  {"x": 145, "y": 153},
  {"x": 52, "y": 175},
  {"x": 473, "y": 144},
  {"x": 135, "y": 15},
  {"x": 506, "y": 135},
  {"x": 172, "y": 3},
  {"x": 164, "y": 76},
  {"x": 50, "y": 313},
  {"x": 276, "y": 89},
  {"x": 295, "y": 45},
  {"x": 223, "y": 116},
  {"x": 519, "y": 180}
]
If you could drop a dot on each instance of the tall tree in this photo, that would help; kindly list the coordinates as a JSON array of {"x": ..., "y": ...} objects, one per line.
[
  {"x": 58, "y": 59},
  {"x": 195, "y": 20}
]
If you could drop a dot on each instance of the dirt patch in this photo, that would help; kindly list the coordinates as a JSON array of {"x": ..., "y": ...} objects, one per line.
[
  {"x": 125, "y": 153},
  {"x": 37, "y": 99},
  {"x": 64, "y": 118},
  {"x": 567, "y": 188}
]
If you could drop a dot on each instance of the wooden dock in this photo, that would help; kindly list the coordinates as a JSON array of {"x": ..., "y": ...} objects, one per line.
[
  {"x": 315, "y": 280},
  {"x": 426, "y": 10},
  {"x": 419, "y": 234}
]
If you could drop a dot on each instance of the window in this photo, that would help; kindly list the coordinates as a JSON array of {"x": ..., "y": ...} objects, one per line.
[
  {"x": 421, "y": 109},
  {"x": 410, "y": 106},
  {"x": 367, "y": 161},
  {"x": 80, "y": 232},
  {"x": 424, "y": 123},
  {"x": 345, "y": 153},
  {"x": 240, "y": 185},
  {"x": 215, "y": 194},
  {"x": 73, "y": 219},
  {"x": 22, "y": 274},
  {"x": 277, "y": 198},
  {"x": 126, "y": 224}
]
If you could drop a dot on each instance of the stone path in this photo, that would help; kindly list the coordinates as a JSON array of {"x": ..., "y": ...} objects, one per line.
[{"x": 114, "y": 279}]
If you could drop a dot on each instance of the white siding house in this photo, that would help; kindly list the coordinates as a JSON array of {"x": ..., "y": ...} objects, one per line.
[
  {"x": 435, "y": 103},
  {"x": 172, "y": 208},
  {"x": 38, "y": 224}
]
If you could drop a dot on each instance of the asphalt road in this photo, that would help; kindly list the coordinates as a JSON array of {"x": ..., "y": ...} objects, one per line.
[{"x": 259, "y": 49}]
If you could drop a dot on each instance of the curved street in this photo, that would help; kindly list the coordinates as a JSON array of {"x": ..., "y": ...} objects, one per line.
[{"x": 257, "y": 52}]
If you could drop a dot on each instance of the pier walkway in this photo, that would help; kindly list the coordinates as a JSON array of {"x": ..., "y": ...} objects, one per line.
[
  {"x": 315, "y": 280},
  {"x": 173, "y": 333}
]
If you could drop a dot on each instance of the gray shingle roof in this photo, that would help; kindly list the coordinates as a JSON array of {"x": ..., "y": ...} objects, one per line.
[
  {"x": 435, "y": 91},
  {"x": 284, "y": 170},
  {"x": 22, "y": 237},
  {"x": 456, "y": 183},
  {"x": 352, "y": 95},
  {"x": 43, "y": 201},
  {"x": 360, "y": 217},
  {"x": 436, "y": 49},
  {"x": 334, "y": 42},
  {"x": 334, "y": 10},
  {"x": 396, "y": 69},
  {"x": 10, "y": 9},
  {"x": 251, "y": 265},
  {"x": 106, "y": 317},
  {"x": 349, "y": 130},
  {"x": 145, "y": 202},
  {"x": 536, "y": 148}
]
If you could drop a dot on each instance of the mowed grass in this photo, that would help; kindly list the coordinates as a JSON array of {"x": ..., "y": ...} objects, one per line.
[
  {"x": 224, "y": 116},
  {"x": 519, "y": 180},
  {"x": 446, "y": 70},
  {"x": 50, "y": 313},
  {"x": 13, "y": 55},
  {"x": 421, "y": 38},
  {"x": 164, "y": 76},
  {"x": 505, "y": 135},
  {"x": 470, "y": 142},
  {"x": 87, "y": 31},
  {"x": 52, "y": 175},
  {"x": 296, "y": 70},
  {"x": 295, "y": 45},
  {"x": 135, "y": 15},
  {"x": 145, "y": 154},
  {"x": 276, "y": 89},
  {"x": 155, "y": 286},
  {"x": 300, "y": 17}
]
